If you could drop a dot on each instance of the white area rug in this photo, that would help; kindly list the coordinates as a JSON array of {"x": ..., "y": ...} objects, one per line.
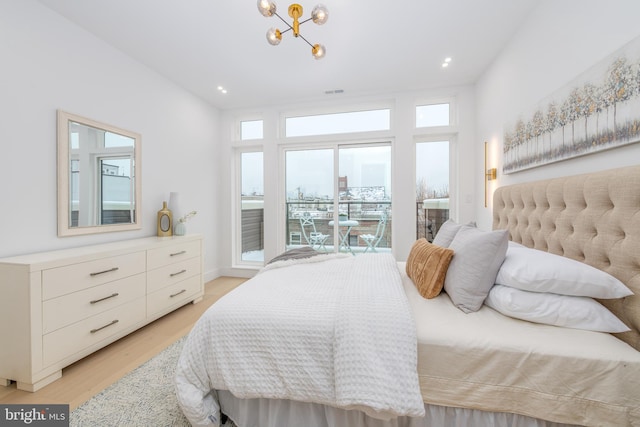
[{"x": 144, "y": 397}]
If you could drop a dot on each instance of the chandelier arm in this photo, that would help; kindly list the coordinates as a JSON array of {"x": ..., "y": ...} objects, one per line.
[
  {"x": 285, "y": 22},
  {"x": 306, "y": 20},
  {"x": 302, "y": 37}
]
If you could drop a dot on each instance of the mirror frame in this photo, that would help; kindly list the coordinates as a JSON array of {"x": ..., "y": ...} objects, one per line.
[{"x": 64, "y": 168}]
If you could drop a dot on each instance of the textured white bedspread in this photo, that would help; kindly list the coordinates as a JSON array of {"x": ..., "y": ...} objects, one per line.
[{"x": 338, "y": 332}]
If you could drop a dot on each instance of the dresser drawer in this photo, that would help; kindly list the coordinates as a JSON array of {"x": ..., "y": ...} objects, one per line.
[
  {"x": 71, "y": 278},
  {"x": 71, "y": 308},
  {"x": 171, "y": 254},
  {"x": 173, "y": 273},
  {"x": 173, "y": 295},
  {"x": 67, "y": 341}
]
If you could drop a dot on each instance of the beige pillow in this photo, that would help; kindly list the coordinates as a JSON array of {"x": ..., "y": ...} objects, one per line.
[{"x": 427, "y": 266}]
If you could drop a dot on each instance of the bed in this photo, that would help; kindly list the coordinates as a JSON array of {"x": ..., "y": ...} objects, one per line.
[{"x": 350, "y": 331}]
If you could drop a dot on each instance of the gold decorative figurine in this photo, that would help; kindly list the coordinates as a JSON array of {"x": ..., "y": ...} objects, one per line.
[{"x": 165, "y": 221}]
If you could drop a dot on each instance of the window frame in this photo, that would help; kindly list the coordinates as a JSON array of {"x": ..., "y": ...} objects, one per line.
[
  {"x": 236, "y": 131},
  {"x": 336, "y": 114},
  {"x": 240, "y": 122},
  {"x": 452, "y": 138},
  {"x": 348, "y": 137},
  {"x": 453, "y": 115}
]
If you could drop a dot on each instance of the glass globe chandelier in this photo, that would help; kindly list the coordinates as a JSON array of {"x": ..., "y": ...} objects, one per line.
[{"x": 319, "y": 15}]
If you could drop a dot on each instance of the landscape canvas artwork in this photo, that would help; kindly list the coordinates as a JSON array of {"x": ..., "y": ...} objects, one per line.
[{"x": 598, "y": 110}]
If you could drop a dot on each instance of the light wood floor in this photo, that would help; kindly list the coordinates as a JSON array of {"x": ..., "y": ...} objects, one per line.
[{"x": 90, "y": 375}]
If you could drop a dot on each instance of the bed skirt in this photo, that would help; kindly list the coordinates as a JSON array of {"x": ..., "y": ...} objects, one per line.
[{"x": 281, "y": 413}]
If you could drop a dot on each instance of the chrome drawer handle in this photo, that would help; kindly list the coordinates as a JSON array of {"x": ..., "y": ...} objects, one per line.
[
  {"x": 105, "y": 298},
  {"x": 178, "y": 293},
  {"x": 178, "y": 253},
  {"x": 179, "y": 272},
  {"x": 93, "y": 331},
  {"x": 105, "y": 271}
]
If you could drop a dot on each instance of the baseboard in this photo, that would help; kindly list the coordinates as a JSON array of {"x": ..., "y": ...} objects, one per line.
[{"x": 245, "y": 273}]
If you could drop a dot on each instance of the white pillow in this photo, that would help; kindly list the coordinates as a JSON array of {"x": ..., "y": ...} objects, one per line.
[
  {"x": 538, "y": 271},
  {"x": 553, "y": 309},
  {"x": 473, "y": 268}
]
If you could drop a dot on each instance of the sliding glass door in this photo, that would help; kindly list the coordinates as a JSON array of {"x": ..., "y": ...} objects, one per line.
[
  {"x": 310, "y": 198},
  {"x": 361, "y": 190}
]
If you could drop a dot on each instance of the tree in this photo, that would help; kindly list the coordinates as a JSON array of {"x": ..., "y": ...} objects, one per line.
[
  {"x": 519, "y": 138},
  {"x": 588, "y": 105},
  {"x": 617, "y": 86},
  {"x": 421, "y": 190},
  {"x": 574, "y": 101},
  {"x": 537, "y": 129},
  {"x": 563, "y": 118},
  {"x": 600, "y": 105},
  {"x": 507, "y": 148},
  {"x": 551, "y": 122}
]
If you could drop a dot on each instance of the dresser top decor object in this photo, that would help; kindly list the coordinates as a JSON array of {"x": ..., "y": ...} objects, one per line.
[
  {"x": 180, "y": 226},
  {"x": 165, "y": 221}
]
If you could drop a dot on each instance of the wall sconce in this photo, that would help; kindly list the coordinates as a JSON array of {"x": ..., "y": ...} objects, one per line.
[{"x": 489, "y": 174}]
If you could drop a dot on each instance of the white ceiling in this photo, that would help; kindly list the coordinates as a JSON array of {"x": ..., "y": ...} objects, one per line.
[{"x": 373, "y": 46}]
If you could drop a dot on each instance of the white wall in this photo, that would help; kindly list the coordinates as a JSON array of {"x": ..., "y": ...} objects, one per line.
[
  {"x": 49, "y": 63},
  {"x": 560, "y": 41}
]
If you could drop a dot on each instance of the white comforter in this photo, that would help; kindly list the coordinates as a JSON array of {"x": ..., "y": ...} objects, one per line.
[{"x": 332, "y": 330}]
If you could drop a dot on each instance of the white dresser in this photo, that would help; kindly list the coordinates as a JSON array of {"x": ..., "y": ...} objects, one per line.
[{"x": 57, "y": 307}]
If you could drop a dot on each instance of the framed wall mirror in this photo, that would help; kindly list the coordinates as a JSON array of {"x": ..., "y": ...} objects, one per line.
[{"x": 99, "y": 177}]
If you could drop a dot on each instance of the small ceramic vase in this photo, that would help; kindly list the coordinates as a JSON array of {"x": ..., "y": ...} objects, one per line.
[{"x": 180, "y": 228}]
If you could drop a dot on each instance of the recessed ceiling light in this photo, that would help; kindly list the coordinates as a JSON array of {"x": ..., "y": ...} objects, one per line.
[
  {"x": 447, "y": 60},
  {"x": 334, "y": 91},
  {"x": 445, "y": 64},
  {"x": 221, "y": 89}
]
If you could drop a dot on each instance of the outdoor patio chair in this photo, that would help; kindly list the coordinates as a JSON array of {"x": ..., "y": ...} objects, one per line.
[
  {"x": 314, "y": 238},
  {"x": 372, "y": 240}
]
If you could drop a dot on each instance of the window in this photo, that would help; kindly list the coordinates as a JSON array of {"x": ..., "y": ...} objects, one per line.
[
  {"x": 432, "y": 115},
  {"x": 328, "y": 124},
  {"x": 251, "y": 207},
  {"x": 432, "y": 187},
  {"x": 251, "y": 130},
  {"x": 116, "y": 190}
]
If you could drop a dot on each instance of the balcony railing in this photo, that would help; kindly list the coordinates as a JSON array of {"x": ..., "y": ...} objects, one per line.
[{"x": 367, "y": 214}]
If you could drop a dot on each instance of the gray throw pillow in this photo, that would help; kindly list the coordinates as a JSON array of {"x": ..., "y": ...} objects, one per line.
[
  {"x": 447, "y": 231},
  {"x": 474, "y": 267}
]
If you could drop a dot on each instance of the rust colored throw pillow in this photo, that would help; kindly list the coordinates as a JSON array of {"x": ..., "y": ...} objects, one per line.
[{"x": 427, "y": 266}]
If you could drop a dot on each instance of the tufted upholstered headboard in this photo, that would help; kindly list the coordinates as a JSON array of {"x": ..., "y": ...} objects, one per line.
[{"x": 593, "y": 218}]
